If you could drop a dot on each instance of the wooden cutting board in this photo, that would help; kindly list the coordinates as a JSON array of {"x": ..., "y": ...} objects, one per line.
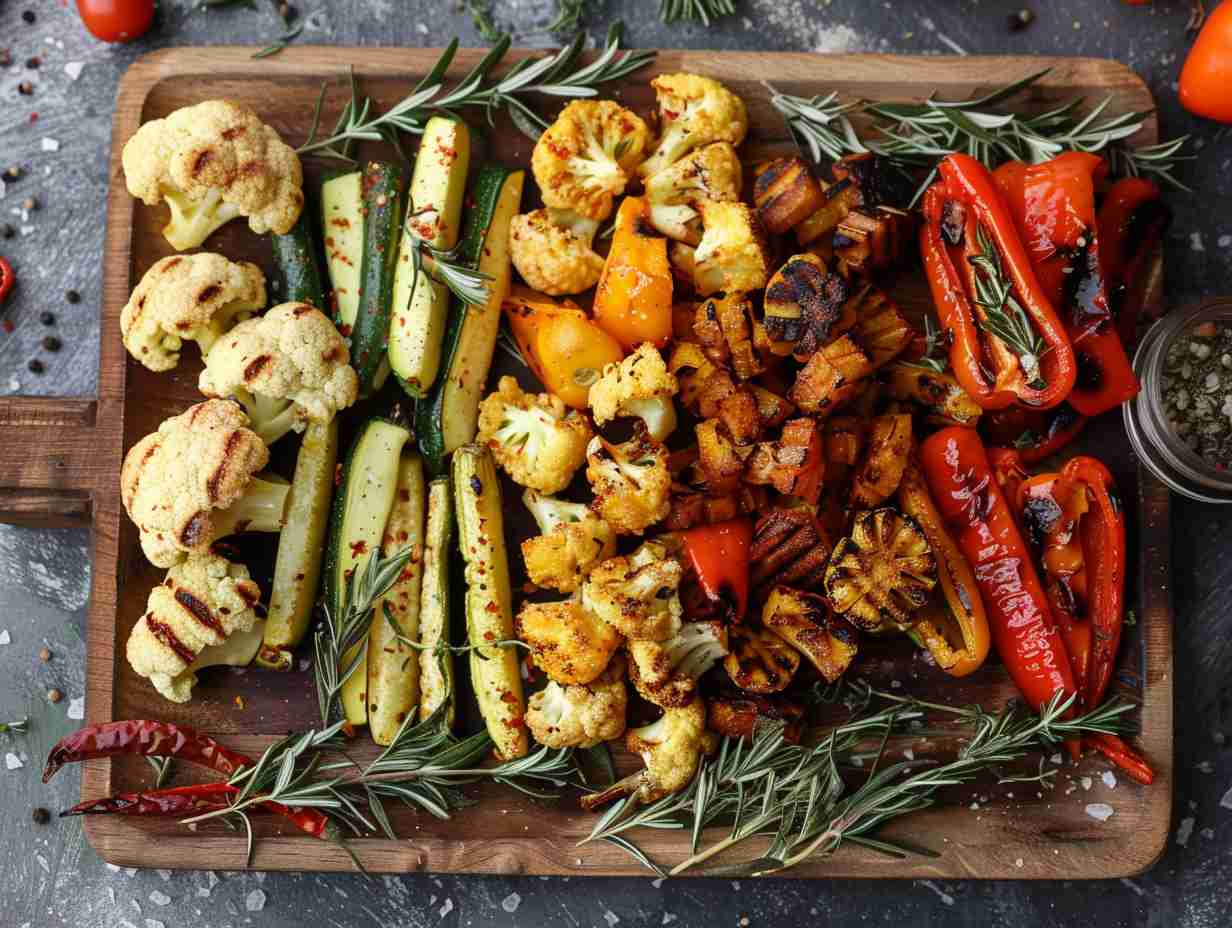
[{"x": 60, "y": 462}]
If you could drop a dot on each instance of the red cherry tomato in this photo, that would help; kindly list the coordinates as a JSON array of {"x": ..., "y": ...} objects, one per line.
[
  {"x": 1207, "y": 74},
  {"x": 7, "y": 279},
  {"x": 116, "y": 20}
]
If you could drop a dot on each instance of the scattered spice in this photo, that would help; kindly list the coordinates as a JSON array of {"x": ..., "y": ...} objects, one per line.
[
  {"x": 47, "y": 317},
  {"x": 25, "y": 88},
  {"x": 28, "y": 17},
  {"x": 34, "y": 63},
  {"x": 13, "y": 172},
  {"x": 7, "y": 325},
  {"x": 41, "y": 816},
  {"x": 44, "y": 654},
  {"x": 29, "y": 204},
  {"x": 35, "y": 366},
  {"x": 73, "y": 296},
  {"x": 54, "y": 695},
  {"x": 51, "y": 343},
  {"x": 1020, "y": 20},
  {"x": 6, "y": 58},
  {"x": 7, "y": 231},
  {"x": 1197, "y": 391}
]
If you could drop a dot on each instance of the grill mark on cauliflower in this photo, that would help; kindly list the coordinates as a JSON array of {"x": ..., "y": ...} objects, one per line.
[
  {"x": 199, "y": 611},
  {"x": 164, "y": 633},
  {"x": 214, "y": 484},
  {"x": 255, "y": 366}
]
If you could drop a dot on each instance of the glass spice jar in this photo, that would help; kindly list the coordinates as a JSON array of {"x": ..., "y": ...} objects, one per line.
[{"x": 1180, "y": 424}]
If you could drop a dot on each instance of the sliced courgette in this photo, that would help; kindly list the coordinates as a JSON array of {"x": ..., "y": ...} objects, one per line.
[
  {"x": 357, "y": 525},
  {"x": 436, "y": 666},
  {"x": 297, "y": 276},
  {"x": 447, "y": 419},
  {"x": 342, "y": 225},
  {"x": 489, "y": 600},
  {"x": 393, "y": 664},
  {"x": 382, "y": 192},
  {"x": 297, "y": 570},
  {"x": 434, "y": 210}
]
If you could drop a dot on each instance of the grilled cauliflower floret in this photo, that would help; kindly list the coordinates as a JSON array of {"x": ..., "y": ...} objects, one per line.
[
  {"x": 574, "y": 540},
  {"x": 636, "y": 594},
  {"x": 693, "y": 111},
  {"x": 188, "y": 298},
  {"x": 666, "y": 672},
  {"x": 640, "y": 386},
  {"x": 711, "y": 173},
  {"x": 532, "y": 438},
  {"x": 200, "y": 616},
  {"x": 193, "y": 481},
  {"x": 212, "y": 163},
  {"x": 552, "y": 250},
  {"x": 671, "y": 747},
  {"x": 580, "y": 716},
  {"x": 630, "y": 482},
  {"x": 585, "y": 158},
  {"x": 287, "y": 367},
  {"x": 732, "y": 254},
  {"x": 568, "y": 643}
]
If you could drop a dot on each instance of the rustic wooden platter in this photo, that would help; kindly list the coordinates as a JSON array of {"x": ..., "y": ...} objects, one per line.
[{"x": 60, "y": 462}]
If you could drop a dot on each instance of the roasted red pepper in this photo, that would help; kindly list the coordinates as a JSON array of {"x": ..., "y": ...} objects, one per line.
[
  {"x": 1053, "y": 205},
  {"x": 1009, "y": 472},
  {"x": 1035, "y": 434},
  {"x": 1132, "y": 220},
  {"x": 144, "y": 737},
  {"x": 1024, "y": 632},
  {"x": 7, "y": 279},
  {"x": 719, "y": 556},
  {"x": 1006, "y": 343}
]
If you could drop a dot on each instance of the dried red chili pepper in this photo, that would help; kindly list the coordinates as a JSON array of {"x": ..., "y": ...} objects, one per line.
[
  {"x": 1132, "y": 220},
  {"x": 7, "y": 279},
  {"x": 1006, "y": 343},
  {"x": 143, "y": 737},
  {"x": 1053, "y": 205},
  {"x": 719, "y": 555}
]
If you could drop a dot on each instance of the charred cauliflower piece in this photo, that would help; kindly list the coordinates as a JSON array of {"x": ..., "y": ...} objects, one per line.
[
  {"x": 636, "y": 595},
  {"x": 212, "y": 163},
  {"x": 287, "y": 368},
  {"x": 193, "y": 481},
  {"x": 804, "y": 621},
  {"x": 672, "y": 748},
  {"x": 693, "y": 111},
  {"x": 580, "y": 716},
  {"x": 732, "y": 255},
  {"x": 532, "y": 438},
  {"x": 640, "y": 386},
  {"x": 708, "y": 174},
  {"x": 584, "y": 159},
  {"x": 574, "y": 540},
  {"x": 568, "y": 643},
  {"x": 193, "y": 298},
  {"x": 553, "y": 251},
  {"x": 200, "y": 616},
  {"x": 881, "y": 575},
  {"x": 666, "y": 672},
  {"x": 630, "y": 482}
]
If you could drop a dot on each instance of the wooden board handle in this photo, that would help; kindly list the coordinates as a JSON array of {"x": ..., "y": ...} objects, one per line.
[{"x": 49, "y": 460}]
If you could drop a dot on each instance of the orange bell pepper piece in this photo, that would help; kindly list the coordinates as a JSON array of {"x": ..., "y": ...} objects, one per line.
[{"x": 633, "y": 302}]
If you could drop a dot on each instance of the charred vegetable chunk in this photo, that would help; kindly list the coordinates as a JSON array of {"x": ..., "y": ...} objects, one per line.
[
  {"x": 803, "y": 303},
  {"x": 882, "y": 573},
  {"x": 737, "y": 716},
  {"x": 759, "y": 661},
  {"x": 831, "y": 377},
  {"x": 874, "y": 239},
  {"x": 880, "y": 328},
  {"x": 805, "y": 621},
  {"x": 789, "y": 549},
  {"x": 946, "y": 401},
  {"x": 794, "y": 464},
  {"x": 785, "y": 194},
  {"x": 881, "y": 470}
]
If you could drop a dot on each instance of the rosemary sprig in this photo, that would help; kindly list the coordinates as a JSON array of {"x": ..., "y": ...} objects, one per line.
[
  {"x": 508, "y": 344},
  {"x": 934, "y": 357},
  {"x": 481, "y": 19},
  {"x": 702, "y": 11},
  {"x": 1003, "y": 316},
  {"x": 441, "y": 648},
  {"x": 339, "y": 635},
  {"x": 162, "y": 769},
  {"x": 15, "y": 727},
  {"x": 568, "y": 16},
  {"x": 822, "y": 124},
  {"x": 471, "y": 286},
  {"x": 559, "y": 75}
]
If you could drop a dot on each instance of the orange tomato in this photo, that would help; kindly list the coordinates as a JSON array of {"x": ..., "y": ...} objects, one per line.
[
  {"x": 633, "y": 302},
  {"x": 1207, "y": 75}
]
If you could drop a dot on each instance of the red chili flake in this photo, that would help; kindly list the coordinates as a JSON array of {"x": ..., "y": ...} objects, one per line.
[
  {"x": 358, "y": 548},
  {"x": 7, "y": 324},
  {"x": 34, "y": 117}
]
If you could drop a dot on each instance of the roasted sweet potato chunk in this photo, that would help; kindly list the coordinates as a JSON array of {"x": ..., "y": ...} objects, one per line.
[
  {"x": 874, "y": 239},
  {"x": 737, "y": 716},
  {"x": 794, "y": 464},
  {"x": 790, "y": 548},
  {"x": 805, "y": 621},
  {"x": 881, "y": 469},
  {"x": 880, "y": 328},
  {"x": 830, "y": 377},
  {"x": 785, "y": 194},
  {"x": 839, "y": 199},
  {"x": 803, "y": 305}
]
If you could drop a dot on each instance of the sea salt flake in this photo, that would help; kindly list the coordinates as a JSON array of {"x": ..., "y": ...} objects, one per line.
[
  {"x": 73, "y": 69},
  {"x": 1226, "y": 801},
  {"x": 42, "y": 862},
  {"x": 1207, "y": 833},
  {"x": 1100, "y": 811},
  {"x": 165, "y": 874},
  {"x": 50, "y": 144},
  {"x": 1109, "y": 779},
  {"x": 1225, "y": 241},
  {"x": 77, "y": 707},
  {"x": 1055, "y": 759},
  {"x": 446, "y": 908},
  {"x": 154, "y": 923},
  {"x": 4, "y": 632},
  {"x": 1195, "y": 241},
  {"x": 1086, "y": 782},
  {"x": 1185, "y": 830},
  {"x": 12, "y": 761},
  {"x": 611, "y": 917},
  {"x": 160, "y": 898},
  {"x": 511, "y": 902},
  {"x": 255, "y": 900},
  {"x": 669, "y": 917}
]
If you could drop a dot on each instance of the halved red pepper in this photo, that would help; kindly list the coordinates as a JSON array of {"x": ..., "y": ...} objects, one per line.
[
  {"x": 1009, "y": 472},
  {"x": 1036, "y": 434},
  {"x": 7, "y": 279},
  {"x": 1132, "y": 220},
  {"x": 1006, "y": 343},
  {"x": 719, "y": 555},
  {"x": 1054, "y": 207}
]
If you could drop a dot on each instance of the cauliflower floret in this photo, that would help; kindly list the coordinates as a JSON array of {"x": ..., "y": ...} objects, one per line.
[
  {"x": 640, "y": 386},
  {"x": 552, "y": 250},
  {"x": 580, "y": 716},
  {"x": 636, "y": 594},
  {"x": 213, "y": 162},
  {"x": 193, "y": 481},
  {"x": 201, "y": 616},
  {"x": 188, "y": 297},
  {"x": 532, "y": 437},
  {"x": 666, "y": 672},
  {"x": 732, "y": 255},
  {"x": 287, "y": 367},
  {"x": 671, "y": 747},
  {"x": 567, "y": 643},
  {"x": 693, "y": 111},
  {"x": 574, "y": 540},
  {"x": 585, "y": 158},
  {"x": 630, "y": 482},
  {"x": 711, "y": 173}
]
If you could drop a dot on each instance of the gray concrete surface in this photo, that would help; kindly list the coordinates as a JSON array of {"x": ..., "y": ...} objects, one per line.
[{"x": 49, "y": 877}]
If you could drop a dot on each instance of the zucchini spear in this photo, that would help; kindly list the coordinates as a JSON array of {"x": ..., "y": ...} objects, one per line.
[{"x": 436, "y": 668}]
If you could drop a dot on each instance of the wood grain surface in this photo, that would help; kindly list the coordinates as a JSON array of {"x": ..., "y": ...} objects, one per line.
[{"x": 60, "y": 460}]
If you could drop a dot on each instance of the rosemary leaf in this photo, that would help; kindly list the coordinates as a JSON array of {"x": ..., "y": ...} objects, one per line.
[{"x": 702, "y": 11}]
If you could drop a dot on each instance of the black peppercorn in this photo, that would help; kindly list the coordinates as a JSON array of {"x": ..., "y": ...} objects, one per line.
[
  {"x": 73, "y": 296},
  {"x": 34, "y": 366},
  {"x": 28, "y": 17},
  {"x": 47, "y": 317},
  {"x": 25, "y": 88},
  {"x": 7, "y": 231},
  {"x": 41, "y": 816},
  {"x": 51, "y": 343},
  {"x": 34, "y": 63},
  {"x": 1020, "y": 20}
]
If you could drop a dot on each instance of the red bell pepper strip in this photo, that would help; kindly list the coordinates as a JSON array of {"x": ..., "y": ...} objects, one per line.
[
  {"x": 1035, "y": 434},
  {"x": 1125, "y": 757},
  {"x": 1009, "y": 472},
  {"x": 1132, "y": 220},
  {"x": 7, "y": 279},
  {"x": 1006, "y": 343},
  {"x": 719, "y": 555},
  {"x": 144, "y": 737},
  {"x": 1024, "y": 632},
  {"x": 1053, "y": 205}
]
